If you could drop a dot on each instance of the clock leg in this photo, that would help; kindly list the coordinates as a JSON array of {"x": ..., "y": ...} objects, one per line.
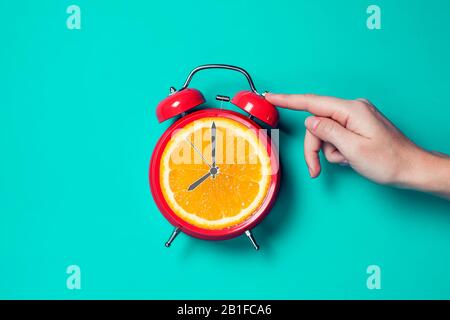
[
  {"x": 174, "y": 234},
  {"x": 252, "y": 239}
]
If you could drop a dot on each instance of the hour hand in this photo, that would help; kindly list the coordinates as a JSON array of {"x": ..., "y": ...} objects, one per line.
[{"x": 199, "y": 181}]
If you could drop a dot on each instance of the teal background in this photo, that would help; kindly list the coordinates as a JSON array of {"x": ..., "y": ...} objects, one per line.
[{"x": 77, "y": 129}]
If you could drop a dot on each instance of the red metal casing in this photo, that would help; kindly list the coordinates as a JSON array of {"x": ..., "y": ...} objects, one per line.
[
  {"x": 257, "y": 106},
  {"x": 179, "y": 102},
  {"x": 206, "y": 234}
]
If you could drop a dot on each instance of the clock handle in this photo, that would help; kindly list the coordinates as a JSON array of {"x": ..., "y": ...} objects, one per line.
[
  {"x": 174, "y": 234},
  {"x": 249, "y": 234},
  {"x": 220, "y": 66}
]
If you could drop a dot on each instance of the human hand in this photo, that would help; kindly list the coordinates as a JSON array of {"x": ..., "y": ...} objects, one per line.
[{"x": 355, "y": 133}]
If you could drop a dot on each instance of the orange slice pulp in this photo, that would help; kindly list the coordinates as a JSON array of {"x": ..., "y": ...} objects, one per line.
[{"x": 224, "y": 199}]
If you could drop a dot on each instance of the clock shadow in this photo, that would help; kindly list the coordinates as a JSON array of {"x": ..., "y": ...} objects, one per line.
[
  {"x": 237, "y": 246},
  {"x": 279, "y": 216}
]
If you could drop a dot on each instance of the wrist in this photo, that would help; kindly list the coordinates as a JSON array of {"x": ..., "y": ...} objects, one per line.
[{"x": 425, "y": 171}]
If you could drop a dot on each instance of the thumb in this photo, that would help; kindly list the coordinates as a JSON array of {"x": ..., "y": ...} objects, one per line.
[{"x": 330, "y": 131}]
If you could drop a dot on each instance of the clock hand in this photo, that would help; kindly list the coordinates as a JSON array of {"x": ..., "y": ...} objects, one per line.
[
  {"x": 213, "y": 144},
  {"x": 199, "y": 181},
  {"x": 199, "y": 153}
]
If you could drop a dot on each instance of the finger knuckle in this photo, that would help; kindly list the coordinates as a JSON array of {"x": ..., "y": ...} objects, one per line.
[
  {"x": 365, "y": 104},
  {"x": 363, "y": 100},
  {"x": 290, "y": 101},
  {"x": 326, "y": 127},
  {"x": 355, "y": 106},
  {"x": 327, "y": 152},
  {"x": 359, "y": 104},
  {"x": 333, "y": 156},
  {"x": 329, "y": 157},
  {"x": 310, "y": 95}
]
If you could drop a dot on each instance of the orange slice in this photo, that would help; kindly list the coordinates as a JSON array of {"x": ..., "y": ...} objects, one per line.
[{"x": 234, "y": 193}]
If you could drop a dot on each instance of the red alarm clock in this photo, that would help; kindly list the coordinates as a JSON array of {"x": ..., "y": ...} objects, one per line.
[{"x": 215, "y": 174}]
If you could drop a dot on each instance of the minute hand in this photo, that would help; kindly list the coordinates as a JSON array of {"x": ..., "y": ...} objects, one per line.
[
  {"x": 213, "y": 144},
  {"x": 199, "y": 181},
  {"x": 198, "y": 152}
]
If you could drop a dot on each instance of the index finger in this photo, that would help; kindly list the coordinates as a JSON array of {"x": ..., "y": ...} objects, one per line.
[{"x": 322, "y": 106}]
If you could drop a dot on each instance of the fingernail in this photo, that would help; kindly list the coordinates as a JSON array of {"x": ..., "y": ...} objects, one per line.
[
  {"x": 310, "y": 172},
  {"x": 311, "y": 123}
]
